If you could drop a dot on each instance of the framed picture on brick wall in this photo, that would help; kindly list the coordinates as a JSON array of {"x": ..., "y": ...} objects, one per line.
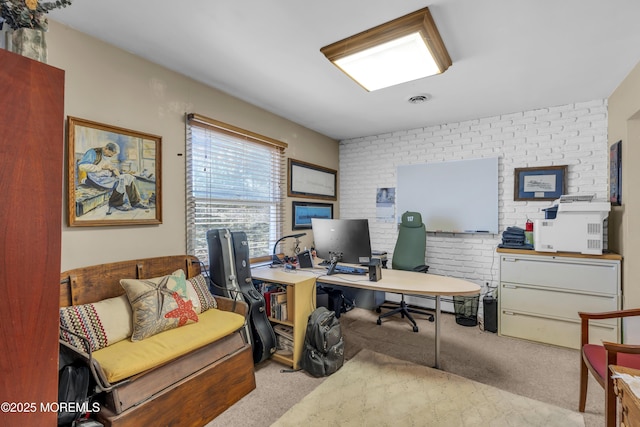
[{"x": 540, "y": 183}]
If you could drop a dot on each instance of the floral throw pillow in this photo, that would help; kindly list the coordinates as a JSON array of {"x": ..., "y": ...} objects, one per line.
[{"x": 158, "y": 304}]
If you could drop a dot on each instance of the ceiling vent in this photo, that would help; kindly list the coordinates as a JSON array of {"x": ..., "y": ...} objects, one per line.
[{"x": 419, "y": 99}]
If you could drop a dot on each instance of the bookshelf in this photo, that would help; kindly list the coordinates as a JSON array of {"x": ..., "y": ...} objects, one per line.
[{"x": 298, "y": 291}]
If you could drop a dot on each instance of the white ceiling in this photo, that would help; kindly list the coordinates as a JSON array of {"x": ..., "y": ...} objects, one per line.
[{"x": 508, "y": 55}]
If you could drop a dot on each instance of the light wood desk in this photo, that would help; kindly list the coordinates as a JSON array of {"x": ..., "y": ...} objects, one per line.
[
  {"x": 628, "y": 405},
  {"x": 394, "y": 281}
]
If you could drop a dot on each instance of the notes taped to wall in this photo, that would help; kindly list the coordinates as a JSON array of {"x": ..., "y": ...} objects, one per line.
[{"x": 453, "y": 197}]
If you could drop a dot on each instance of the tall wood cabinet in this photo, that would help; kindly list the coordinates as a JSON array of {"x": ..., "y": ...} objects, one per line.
[
  {"x": 541, "y": 294},
  {"x": 31, "y": 176}
]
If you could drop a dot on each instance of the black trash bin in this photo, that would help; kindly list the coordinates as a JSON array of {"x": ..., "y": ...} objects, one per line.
[{"x": 466, "y": 309}]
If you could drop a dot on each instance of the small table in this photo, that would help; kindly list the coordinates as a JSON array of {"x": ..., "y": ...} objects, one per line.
[{"x": 628, "y": 407}]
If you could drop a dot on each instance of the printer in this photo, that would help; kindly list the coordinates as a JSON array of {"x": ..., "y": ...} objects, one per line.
[{"x": 573, "y": 224}]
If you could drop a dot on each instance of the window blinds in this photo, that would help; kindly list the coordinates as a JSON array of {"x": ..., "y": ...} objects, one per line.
[{"x": 235, "y": 180}]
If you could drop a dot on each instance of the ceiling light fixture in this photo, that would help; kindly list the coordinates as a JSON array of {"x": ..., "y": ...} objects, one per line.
[{"x": 405, "y": 49}]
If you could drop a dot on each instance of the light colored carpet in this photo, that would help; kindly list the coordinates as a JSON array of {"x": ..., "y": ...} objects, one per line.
[
  {"x": 376, "y": 389},
  {"x": 538, "y": 371}
]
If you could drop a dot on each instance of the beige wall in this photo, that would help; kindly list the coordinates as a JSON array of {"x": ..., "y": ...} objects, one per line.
[
  {"x": 624, "y": 224},
  {"x": 111, "y": 86}
]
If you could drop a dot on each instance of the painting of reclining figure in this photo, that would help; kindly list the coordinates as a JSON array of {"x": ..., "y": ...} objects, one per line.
[{"x": 114, "y": 175}]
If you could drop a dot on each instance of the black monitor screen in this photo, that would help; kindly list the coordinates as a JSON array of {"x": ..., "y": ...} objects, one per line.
[{"x": 346, "y": 238}]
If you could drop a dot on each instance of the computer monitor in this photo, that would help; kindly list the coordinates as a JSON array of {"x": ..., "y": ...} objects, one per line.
[{"x": 348, "y": 239}]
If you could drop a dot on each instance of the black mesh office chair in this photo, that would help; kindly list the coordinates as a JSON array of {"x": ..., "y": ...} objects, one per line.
[{"x": 409, "y": 254}]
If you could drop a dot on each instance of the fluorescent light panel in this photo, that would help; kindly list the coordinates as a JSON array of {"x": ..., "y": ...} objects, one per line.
[{"x": 399, "y": 51}]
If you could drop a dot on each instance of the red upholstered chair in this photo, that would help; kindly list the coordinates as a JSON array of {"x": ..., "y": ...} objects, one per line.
[{"x": 597, "y": 358}]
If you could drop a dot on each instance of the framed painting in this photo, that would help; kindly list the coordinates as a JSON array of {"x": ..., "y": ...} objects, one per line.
[
  {"x": 114, "y": 175},
  {"x": 540, "y": 183},
  {"x": 304, "y": 211},
  {"x": 313, "y": 181},
  {"x": 615, "y": 174}
]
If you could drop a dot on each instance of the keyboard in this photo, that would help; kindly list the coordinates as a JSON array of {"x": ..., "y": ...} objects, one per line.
[{"x": 344, "y": 269}]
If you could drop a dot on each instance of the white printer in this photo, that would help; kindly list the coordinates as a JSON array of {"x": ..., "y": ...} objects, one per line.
[{"x": 573, "y": 224}]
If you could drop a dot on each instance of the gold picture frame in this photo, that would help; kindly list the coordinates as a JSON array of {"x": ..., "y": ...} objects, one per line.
[{"x": 114, "y": 175}]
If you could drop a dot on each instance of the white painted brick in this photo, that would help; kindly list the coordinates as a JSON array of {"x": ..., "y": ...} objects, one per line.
[{"x": 573, "y": 134}]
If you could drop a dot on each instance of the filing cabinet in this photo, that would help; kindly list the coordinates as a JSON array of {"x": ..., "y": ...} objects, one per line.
[{"x": 540, "y": 296}]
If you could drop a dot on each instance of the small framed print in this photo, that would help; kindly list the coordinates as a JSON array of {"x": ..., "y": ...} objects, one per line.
[
  {"x": 540, "y": 183},
  {"x": 304, "y": 211}
]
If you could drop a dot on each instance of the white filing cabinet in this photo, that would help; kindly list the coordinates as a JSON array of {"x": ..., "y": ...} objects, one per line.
[{"x": 541, "y": 294}]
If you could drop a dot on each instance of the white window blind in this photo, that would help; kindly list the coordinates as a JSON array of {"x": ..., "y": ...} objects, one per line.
[{"x": 235, "y": 180}]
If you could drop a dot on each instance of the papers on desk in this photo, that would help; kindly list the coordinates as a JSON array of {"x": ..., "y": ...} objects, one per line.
[{"x": 631, "y": 380}]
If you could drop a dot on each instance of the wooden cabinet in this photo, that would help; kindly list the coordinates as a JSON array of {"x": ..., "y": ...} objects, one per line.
[
  {"x": 628, "y": 400},
  {"x": 540, "y": 296},
  {"x": 31, "y": 176},
  {"x": 301, "y": 301}
]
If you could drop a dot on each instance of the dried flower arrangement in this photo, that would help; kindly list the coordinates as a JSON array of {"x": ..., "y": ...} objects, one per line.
[{"x": 28, "y": 13}]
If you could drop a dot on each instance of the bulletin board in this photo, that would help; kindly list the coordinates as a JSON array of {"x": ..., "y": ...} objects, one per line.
[{"x": 453, "y": 197}]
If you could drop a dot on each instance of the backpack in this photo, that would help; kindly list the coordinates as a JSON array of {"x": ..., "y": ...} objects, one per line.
[
  {"x": 73, "y": 387},
  {"x": 74, "y": 384},
  {"x": 337, "y": 301},
  {"x": 323, "y": 352}
]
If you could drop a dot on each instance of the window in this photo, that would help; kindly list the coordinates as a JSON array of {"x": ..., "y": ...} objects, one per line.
[{"x": 235, "y": 180}]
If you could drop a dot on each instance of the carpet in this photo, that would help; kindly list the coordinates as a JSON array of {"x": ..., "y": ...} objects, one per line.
[{"x": 373, "y": 389}]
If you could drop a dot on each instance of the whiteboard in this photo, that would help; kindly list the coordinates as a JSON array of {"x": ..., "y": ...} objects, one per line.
[{"x": 453, "y": 197}]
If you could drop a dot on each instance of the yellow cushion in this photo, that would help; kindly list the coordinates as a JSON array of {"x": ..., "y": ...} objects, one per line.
[{"x": 126, "y": 358}]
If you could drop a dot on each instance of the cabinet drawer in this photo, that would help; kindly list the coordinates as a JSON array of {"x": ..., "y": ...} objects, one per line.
[
  {"x": 555, "y": 303},
  {"x": 565, "y": 333},
  {"x": 569, "y": 273}
]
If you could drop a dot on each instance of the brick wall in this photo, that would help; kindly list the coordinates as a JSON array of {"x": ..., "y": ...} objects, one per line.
[{"x": 574, "y": 134}]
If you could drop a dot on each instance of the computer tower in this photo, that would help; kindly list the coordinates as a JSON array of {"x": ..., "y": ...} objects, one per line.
[{"x": 490, "y": 308}]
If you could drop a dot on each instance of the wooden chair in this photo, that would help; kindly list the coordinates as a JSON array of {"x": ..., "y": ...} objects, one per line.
[{"x": 597, "y": 358}]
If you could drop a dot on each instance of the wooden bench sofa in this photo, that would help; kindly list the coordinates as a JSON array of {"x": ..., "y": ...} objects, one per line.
[{"x": 187, "y": 387}]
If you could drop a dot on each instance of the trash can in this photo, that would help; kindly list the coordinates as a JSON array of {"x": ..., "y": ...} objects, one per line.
[{"x": 466, "y": 310}]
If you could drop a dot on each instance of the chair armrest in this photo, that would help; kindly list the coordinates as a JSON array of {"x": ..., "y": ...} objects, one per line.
[
  {"x": 609, "y": 314},
  {"x": 621, "y": 348},
  {"x": 421, "y": 268},
  {"x": 585, "y": 317},
  {"x": 100, "y": 380},
  {"x": 614, "y": 348},
  {"x": 235, "y": 306}
]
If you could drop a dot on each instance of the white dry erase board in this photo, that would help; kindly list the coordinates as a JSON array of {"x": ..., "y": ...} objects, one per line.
[{"x": 453, "y": 197}]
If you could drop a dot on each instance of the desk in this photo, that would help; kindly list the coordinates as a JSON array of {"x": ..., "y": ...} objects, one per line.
[
  {"x": 628, "y": 411},
  {"x": 394, "y": 281}
]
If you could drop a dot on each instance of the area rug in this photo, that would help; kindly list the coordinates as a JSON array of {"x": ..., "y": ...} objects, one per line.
[{"x": 373, "y": 389}]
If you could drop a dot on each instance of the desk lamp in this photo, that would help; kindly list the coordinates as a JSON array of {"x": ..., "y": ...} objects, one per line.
[{"x": 274, "y": 258}]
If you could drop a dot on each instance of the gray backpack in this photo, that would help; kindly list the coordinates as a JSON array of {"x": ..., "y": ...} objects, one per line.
[{"x": 323, "y": 352}]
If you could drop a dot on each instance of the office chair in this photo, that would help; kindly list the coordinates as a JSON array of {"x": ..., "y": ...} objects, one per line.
[
  {"x": 409, "y": 254},
  {"x": 597, "y": 358}
]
